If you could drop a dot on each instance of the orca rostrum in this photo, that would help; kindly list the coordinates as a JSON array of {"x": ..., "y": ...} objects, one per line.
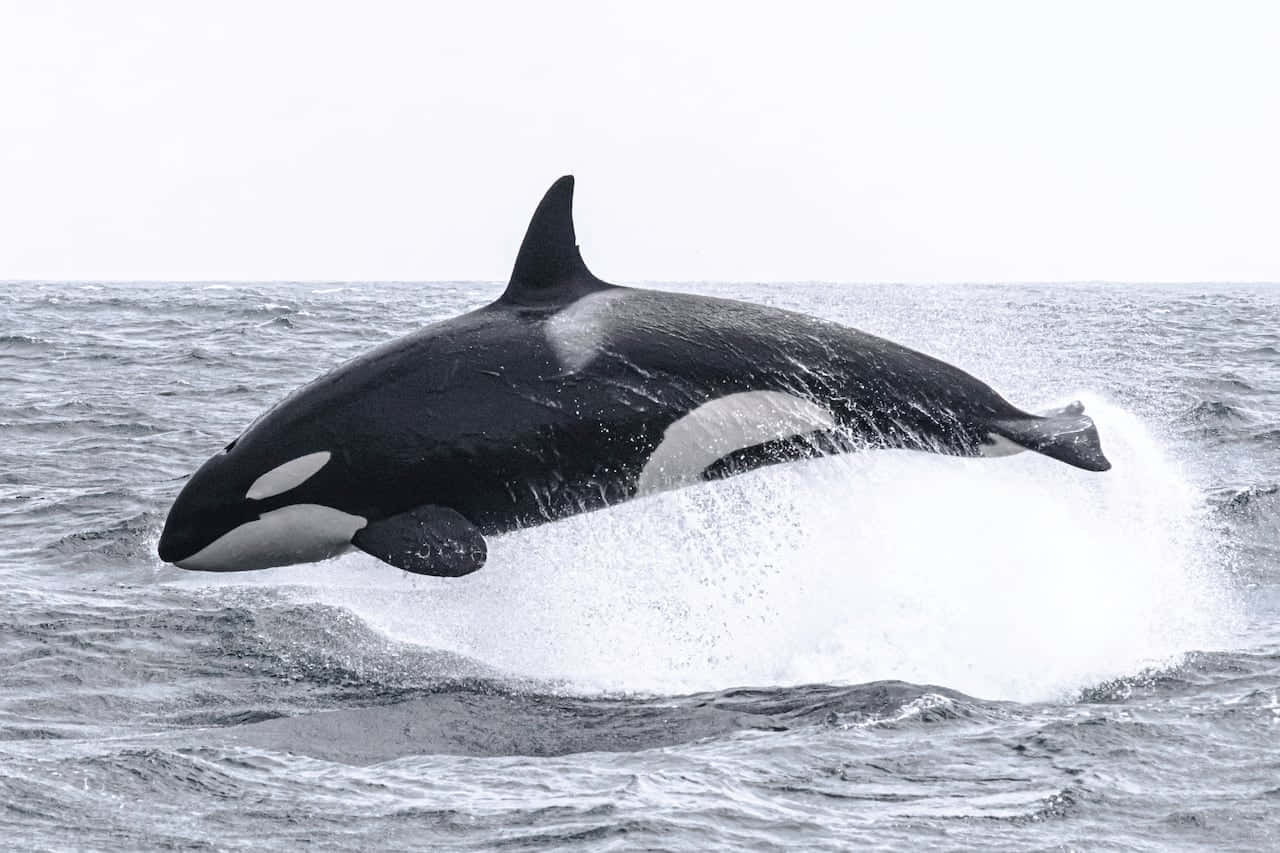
[{"x": 569, "y": 394}]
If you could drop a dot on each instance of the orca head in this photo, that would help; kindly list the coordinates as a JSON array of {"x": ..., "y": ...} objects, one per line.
[{"x": 245, "y": 510}]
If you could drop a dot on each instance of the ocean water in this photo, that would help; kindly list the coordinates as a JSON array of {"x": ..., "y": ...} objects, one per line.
[{"x": 882, "y": 651}]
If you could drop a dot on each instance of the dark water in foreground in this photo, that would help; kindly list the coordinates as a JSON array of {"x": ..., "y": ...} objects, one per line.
[{"x": 894, "y": 651}]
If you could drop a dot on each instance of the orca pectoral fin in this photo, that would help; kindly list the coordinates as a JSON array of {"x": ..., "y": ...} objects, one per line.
[
  {"x": 1065, "y": 434},
  {"x": 427, "y": 540}
]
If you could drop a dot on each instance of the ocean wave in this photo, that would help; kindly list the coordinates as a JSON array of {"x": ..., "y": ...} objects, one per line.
[
  {"x": 1208, "y": 411},
  {"x": 495, "y": 718},
  {"x": 1247, "y": 500},
  {"x": 20, "y": 342}
]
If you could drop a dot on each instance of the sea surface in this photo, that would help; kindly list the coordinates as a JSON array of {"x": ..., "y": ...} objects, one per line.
[{"x": 889, "y": 650}]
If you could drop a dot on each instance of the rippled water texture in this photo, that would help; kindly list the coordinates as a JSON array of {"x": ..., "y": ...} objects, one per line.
[{"x": 890, "y": 650}]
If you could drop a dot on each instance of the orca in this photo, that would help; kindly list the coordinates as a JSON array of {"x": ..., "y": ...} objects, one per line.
[{"x": 566, "y": 395}]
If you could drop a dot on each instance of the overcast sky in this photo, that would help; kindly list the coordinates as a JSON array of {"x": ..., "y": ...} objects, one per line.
[{"x": 782, "y": 141}]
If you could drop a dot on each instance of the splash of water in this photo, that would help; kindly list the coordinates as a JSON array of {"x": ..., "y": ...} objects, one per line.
[{"x": 1016, "y": 578}]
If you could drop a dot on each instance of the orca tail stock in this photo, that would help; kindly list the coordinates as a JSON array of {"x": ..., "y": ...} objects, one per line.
[{"x": 1066, "y": 434}]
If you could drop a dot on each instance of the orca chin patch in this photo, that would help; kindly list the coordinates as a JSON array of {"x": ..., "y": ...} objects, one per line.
[{"x": 302, "y": 533}]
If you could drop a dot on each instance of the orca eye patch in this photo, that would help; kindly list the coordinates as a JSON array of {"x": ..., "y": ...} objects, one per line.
[{"x": 288, "y": 476}]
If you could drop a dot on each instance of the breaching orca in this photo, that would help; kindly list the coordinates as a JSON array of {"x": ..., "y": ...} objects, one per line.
[{"x": 566, "y": 395}]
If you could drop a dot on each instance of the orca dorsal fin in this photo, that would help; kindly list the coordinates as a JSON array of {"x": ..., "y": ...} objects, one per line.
[{"x": 549, "y": 267}]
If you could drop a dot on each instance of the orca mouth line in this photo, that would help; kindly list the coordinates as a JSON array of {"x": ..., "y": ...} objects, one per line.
[
  {"x": 173, "y": 551},
  {"x": 185, "y": 535},
  {"x": 176, "y": 547}
]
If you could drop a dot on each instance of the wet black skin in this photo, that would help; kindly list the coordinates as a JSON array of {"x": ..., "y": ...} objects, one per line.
[{"x": 479, "y": 415}]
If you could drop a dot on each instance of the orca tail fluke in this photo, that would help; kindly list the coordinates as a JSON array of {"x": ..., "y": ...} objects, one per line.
[{"x": 1066, "y": 434}]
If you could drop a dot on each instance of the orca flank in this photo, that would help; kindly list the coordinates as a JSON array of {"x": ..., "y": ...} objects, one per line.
[{"x": 566, "y": 395}]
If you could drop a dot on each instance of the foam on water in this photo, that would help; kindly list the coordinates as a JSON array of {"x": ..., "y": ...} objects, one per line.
[{"x": 1016, "y": 578}]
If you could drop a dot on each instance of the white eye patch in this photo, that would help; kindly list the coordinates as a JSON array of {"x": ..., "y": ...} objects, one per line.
[{"x": 288, "y": 476}]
